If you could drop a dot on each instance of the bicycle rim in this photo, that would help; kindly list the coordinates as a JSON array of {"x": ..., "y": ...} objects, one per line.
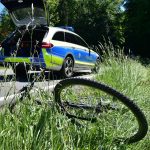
[{"x": 141, "y": 120}]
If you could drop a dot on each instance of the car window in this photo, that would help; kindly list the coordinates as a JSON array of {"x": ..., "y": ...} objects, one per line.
[
  {"x": 70, "y": 38},
  {"x": 81, "y": 42},
  {"x": 59, "y": 36}
]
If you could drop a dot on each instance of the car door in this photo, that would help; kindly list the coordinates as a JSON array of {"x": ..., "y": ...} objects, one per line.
[
  {"x": 59, "y": 50},
  {"x": 87, "y": 56},
  {"x": 74, "y": 49},
  {"x": 26, "y": 12},
  {"x": 80, "y": 52}
]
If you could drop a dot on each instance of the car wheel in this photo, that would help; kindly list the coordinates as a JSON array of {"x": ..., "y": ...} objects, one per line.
[
  {"x": 21, "y": 70},
  {"x": 67, "y": 68},
  {"x": 97, "y": 66}
]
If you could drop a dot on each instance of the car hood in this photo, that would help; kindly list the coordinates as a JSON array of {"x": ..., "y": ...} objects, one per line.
[{"x": 26, "y": 12}]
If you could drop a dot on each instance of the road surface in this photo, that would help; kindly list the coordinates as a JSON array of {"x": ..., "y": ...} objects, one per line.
[{"x": 10, "y": 85}]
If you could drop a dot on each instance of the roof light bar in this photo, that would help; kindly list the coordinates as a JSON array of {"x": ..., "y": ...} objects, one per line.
[{"x": 67, "y": 28}]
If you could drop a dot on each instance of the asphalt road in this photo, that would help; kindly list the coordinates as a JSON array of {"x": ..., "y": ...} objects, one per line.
[{"x": 10, "y": 85}]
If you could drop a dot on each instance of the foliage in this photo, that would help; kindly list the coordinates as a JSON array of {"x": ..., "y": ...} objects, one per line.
[
  {"x": 6, "y": 25},
  {"x": 95, "y": 19},
  {"x": 51, "y": 12},
  {"x": 92, "y": 19},
  {"x": 137, "y": 31}
]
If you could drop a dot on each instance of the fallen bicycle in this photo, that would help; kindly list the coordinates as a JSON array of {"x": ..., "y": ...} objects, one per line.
[{"x": 70, "y": 108}]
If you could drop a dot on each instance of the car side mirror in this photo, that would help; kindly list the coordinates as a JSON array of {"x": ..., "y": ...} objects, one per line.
[{"x": 89, "y": 52}]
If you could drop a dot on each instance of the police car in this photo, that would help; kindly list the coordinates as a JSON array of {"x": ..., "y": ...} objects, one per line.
[{"x": 36, "y": 44}]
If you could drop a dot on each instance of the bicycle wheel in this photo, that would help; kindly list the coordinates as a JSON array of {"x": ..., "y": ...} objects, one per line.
[{"x": 82, "y": 107}]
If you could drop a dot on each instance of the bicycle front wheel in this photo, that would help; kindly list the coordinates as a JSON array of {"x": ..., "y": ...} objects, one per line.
[{"x": 84, "y": 99}]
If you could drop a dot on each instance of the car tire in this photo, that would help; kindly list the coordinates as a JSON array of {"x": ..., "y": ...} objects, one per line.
[
  {"x": 21, "y": 70},
  {"x": 67, "y": 68},
  {"x": 97, "y": 66}
]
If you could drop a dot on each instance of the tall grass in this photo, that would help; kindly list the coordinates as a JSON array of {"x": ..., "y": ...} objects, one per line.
[
  {"x": 130, "y": 77},
  {"x": 42, "y": 127}
]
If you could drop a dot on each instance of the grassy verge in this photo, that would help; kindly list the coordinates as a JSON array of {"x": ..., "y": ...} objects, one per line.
[
  {"x": 3, "y": 67},
  {"x": 133, "y": 79},
  {"x": 43, "y": 127}
]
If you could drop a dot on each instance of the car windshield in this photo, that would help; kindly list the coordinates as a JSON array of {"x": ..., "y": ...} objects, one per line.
[{"x": 27, "y": 16}]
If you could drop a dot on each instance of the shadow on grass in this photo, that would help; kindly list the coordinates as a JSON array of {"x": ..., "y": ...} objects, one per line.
[
  {"x": 30, "y": 77},
  {"x": 47, "y": 76}
]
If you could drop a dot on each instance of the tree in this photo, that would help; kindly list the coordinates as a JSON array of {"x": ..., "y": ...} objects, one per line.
[
  {"x": 96, "y": 19},
  {"x": 92, "y": 19},
  {"x": 137, "y": 31},
  {"x": 51, "y": 12},
  {"x": 65, "y": 11},
  {"x": 6, "y": 25}
]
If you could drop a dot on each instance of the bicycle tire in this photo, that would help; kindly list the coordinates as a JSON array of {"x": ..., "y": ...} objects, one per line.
[{"x": 141, "y": 119}]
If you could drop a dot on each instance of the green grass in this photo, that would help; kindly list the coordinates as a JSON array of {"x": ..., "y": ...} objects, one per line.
[
  {"x": 3, "y": 67},
  {"x": 43, "y": 127}
]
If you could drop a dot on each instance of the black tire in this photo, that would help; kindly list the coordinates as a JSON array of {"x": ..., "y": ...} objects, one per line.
[
  {"x": 21, "y": 70},
  {"x": 97, "y": 66},
  {"x": 67, "y": 68},
  {"x": 142, "y": 122}
]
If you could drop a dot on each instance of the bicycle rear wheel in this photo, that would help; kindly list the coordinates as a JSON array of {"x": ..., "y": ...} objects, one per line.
[{"x": 91, "y": 108}]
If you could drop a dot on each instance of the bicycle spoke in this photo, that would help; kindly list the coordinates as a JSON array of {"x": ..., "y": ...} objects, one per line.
[{"x": 85, "y": 100}]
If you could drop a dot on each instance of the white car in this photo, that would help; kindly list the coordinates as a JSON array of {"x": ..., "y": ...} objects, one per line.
[{"x": 34, "y": 43}]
